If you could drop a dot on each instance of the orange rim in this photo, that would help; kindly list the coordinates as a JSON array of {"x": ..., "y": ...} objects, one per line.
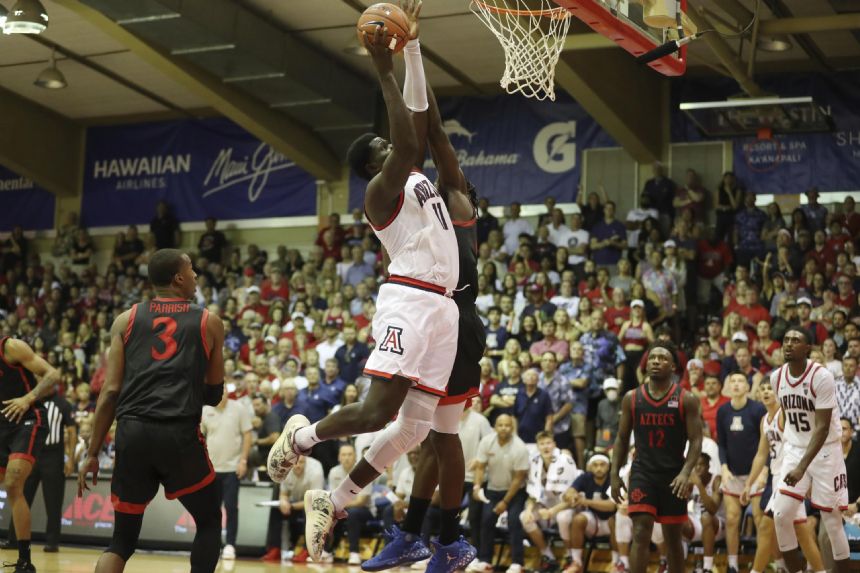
[{"x": 555, "y": 13}]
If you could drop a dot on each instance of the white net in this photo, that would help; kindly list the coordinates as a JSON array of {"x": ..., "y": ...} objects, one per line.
[{"x": 532, "y": 37}]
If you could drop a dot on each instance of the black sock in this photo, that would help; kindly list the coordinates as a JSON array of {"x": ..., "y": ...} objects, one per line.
[
  {"x": 449, "y": 527},
  {"x": 24, "y": 550},
  {"x": 415, "y": 515}
]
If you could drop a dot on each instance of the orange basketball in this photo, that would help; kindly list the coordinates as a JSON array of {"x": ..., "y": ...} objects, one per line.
[{"x": 389, "y": 16}]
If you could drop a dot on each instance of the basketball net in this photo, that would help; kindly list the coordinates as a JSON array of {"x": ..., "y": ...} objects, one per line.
[{"x": 532, "y": 40}]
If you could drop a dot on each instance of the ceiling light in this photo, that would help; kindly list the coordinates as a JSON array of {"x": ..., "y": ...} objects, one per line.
[
  {"x": 51, "y": 78},
  {"x": 354, "y": 48},
  {"x": 26, "y": 17},
  {"x": 774, "y": 44}
]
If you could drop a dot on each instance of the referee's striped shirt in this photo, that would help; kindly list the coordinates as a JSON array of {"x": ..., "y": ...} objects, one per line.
[{"x": 59, "y": 416}]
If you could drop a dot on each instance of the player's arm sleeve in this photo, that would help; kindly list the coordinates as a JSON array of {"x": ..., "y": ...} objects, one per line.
[{"x": 415, "y": 83}]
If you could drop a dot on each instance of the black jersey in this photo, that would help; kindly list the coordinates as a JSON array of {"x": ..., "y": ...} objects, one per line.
[
  {"x": 166, "y": 357},
  {"x": 660, "y": 431},
  {"x": 467, "y": 247},
  {"x": 15, "y": 381}
]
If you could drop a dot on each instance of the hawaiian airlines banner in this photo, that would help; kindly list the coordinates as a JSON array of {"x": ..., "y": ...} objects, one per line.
[
  {"x": 24, "y": 203},
  {"x": 516, "y": 149},
  {"x": 793, "y": 163},
  {"x": 202, "y": 168}
]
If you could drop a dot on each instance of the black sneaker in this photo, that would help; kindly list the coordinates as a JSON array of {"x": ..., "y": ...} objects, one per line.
[
  {"x": 51, "y": 549},
  {"x": 731, "y": 570},
  {"x": 548, "y": 564},
  {"x": 21, "y": 566}
]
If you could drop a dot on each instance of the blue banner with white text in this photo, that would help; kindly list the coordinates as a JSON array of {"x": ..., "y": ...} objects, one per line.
[
  {"x": 516, "y": 149},
  {"x": 202, "y": 168},
  {"x": 24, "y": 203},
  {"x": 791, "y": 163}
]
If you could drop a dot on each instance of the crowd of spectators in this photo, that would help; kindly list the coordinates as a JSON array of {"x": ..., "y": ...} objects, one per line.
[{"x": 571, "y": 301}]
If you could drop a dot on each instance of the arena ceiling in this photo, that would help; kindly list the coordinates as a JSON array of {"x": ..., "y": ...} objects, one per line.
[{"x": 282, "y": 70}]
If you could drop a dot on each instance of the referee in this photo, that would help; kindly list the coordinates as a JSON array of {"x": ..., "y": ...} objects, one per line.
[{"x": 51, "y": 468}]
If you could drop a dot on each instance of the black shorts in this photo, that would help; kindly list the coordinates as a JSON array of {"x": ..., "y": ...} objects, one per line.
[
  {"x": 466, "y": 373},
  {"x": 149, "y": 453},
  {"x": 21, "y": 441},
  {"x": 651, "y": 493}
]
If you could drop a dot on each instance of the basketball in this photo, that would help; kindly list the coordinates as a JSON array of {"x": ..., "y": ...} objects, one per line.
[{"x": 389, "y": 16}]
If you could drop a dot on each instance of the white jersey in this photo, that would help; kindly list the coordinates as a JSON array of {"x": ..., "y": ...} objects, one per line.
[
  {"x": 546, "y": 486},
  {"x": 800, "y": 397},
  {"x": 419, "y": 236},
  {"x": 773, "y": 430},
  {"x": 696, "y": 508}
]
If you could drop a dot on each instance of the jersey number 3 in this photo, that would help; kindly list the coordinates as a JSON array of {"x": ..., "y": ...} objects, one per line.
[{"x": 166, "y": 336}]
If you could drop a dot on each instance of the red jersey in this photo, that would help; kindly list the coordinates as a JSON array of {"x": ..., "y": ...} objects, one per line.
[{"x": 615, "y": 317}]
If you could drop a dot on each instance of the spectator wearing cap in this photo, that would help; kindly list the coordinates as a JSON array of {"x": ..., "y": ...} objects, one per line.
[
  {"x": 606, "y": 424},
  {"x": 253, "y": 302},
  {"x": 549, "y": 343},
  {"x": 816, "y": 214},
  {"x": 635, "y": 336},
  {"x": 538, "y": 306},
  {"x": 608, "y": 238},
  {"x": 694, "y": 376},
  {"x": 804, "y": 310},
  {"x": 328, "y": 347},
  {"x": 514, "y": 227}
]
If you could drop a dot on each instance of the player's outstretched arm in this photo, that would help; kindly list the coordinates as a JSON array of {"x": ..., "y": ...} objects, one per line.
[
  {"x": 213, "y": 390},
  {"x": 108, "y": 397},
  {"x": 681, "y": 486},
  {"x": 622, "y": 445},
  {"x": 19, "y": 352},
  {"x": 414, "y": 84},
  {"x": 384, "y": 190}
]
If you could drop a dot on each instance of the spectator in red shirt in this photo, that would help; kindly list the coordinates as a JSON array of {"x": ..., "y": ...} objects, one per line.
[
  {"x": 618, "y": 313},
  {"x": 820, "y": 253},
  {"x": 750, "y": 310},
  {"x": 715, "y": 256},
  {"x": 845, "y": 296},
  {"x": 848, "y": 218},
  {"x": 549, "y": 343},
  {"x": 254, "y": 303},
  {"x": 337, "y": 233},
  {"x": 275, "y": 288},
  {"x": 711, "y": 402},
  {"x": 764, "y": 348}
]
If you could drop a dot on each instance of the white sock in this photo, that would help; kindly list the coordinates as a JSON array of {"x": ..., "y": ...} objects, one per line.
[
  {"x": 548, "y": 552},
  {"x": 709, "y": 563},
  {"x": 781, "y": 563},
  {"x": 733, "y": 561},
  {"x": 306, "y": 438},
  {"x": 345, "y": 493},
  {"x": 615, "y": 557},
  {"x": 576, "y": 555},
  {"x": 625, "y": 559}
]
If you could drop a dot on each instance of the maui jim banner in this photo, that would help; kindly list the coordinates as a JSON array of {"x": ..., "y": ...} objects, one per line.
[
  {"x": 24, "y": 203},
  {"x": 515, "y": 149},
  {"x": 204, "y": 168}
]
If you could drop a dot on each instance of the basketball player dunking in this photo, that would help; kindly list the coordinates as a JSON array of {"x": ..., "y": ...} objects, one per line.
[
  {"x": 416, "y": 323},
  {"x": 663, "y": 417},
  {"x": 441, "y": 458},
  {"x": 23, "y": 427},
  {"x": 812, "y": 453},
  {"x": 165, "y": 362}
]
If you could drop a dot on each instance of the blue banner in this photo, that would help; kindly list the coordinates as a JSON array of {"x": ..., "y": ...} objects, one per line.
[
  {"x": 203, "y": 168},
  {"x": 792, "y": 163},
  {"x": 516, "y": 149},
  {"x": 24, "y": 203}
]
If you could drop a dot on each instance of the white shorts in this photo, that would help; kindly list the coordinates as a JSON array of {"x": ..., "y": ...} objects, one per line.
[
  {"x": 735, "y": 487},
  {"x": 416, "y": 337},
  {"x": 595, "y": 527},
  {"x": 696, "y": 521},
  {"x": 799, "y": 516},
  {"x": 826, "y": 476}
]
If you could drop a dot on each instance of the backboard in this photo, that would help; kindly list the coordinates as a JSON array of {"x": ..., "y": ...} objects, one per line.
[{"x": 624, "y": 22}]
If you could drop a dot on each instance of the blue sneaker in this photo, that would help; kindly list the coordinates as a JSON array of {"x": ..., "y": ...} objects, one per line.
[
  {"x": 450, "y": 558},
  {"x": 400, "y": 549}
]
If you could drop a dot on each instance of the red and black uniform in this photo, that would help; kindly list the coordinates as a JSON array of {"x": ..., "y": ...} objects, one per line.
[
  {"x": 660, "y": 432},
  {"x": 25, "y": 439},
  {"x": 465, "y": 377},
  {"x": 158, "y": 438}
]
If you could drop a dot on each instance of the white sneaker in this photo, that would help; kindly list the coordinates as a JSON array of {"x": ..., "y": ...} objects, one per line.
[
  {"x": 283, "y": 455},
  {"x": 287, "y": 555},
  {"x": 515, "y": 568},
  {"x": 479, "y": 567},
  {"x": 228, "y": 553},
  {"x": 326, "y": 557},
  {"x": 319, "y": 521},
  {"x": 419, "y": 565},
  {"x": 354, "y": 559}
]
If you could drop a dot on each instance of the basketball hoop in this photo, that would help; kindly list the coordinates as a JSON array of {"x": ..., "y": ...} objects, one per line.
[{"x": 532, "y": 40}]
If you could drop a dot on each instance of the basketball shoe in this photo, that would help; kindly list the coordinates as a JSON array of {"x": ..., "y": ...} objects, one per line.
[
  {"x": 401, "y": 548},
  {"x": 450, "y": 558},
  {"x": 320, "y": 518},
  {"x": 283, "y": 454}
]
